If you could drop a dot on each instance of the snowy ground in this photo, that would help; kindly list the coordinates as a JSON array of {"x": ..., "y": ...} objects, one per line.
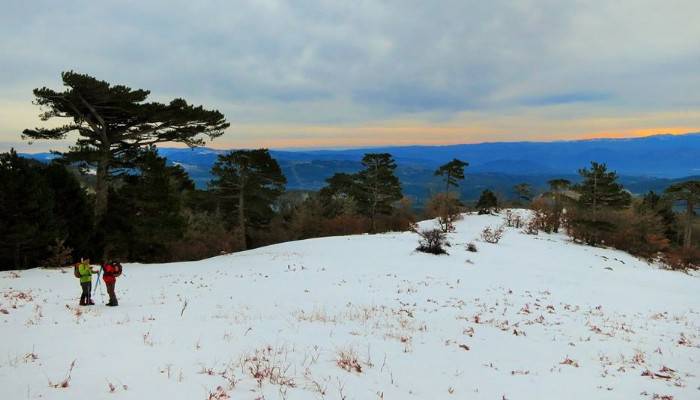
[{"x": 532, "y": 317}]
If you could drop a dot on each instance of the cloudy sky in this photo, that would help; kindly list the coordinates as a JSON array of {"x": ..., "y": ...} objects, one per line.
[{"x": 361, "y": 73}]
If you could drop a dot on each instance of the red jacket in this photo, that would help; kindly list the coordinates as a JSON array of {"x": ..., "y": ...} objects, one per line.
[{"x": 110, "y": 273}]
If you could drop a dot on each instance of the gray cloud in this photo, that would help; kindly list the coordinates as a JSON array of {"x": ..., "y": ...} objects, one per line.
[{"x": 364, "y": 60}]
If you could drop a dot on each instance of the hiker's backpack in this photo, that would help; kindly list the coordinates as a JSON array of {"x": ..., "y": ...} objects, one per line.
[
  {"x": 117, "y": 269},
  {"x": 75, "y": 271}
]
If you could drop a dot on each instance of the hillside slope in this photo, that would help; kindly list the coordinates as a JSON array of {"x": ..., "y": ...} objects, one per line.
[{"x": 532, "y": 317}]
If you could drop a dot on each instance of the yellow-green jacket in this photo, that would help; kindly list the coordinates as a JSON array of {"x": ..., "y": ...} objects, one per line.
[{"x": 85, "y": 272}]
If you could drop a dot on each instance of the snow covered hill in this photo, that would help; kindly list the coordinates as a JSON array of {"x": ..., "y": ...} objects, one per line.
[{"x": 362, "y": 317}]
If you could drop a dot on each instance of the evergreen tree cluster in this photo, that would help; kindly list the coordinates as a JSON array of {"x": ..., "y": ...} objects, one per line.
[
  {"x": 599, "y": 211},
  {"x": 44, "y": 212}
]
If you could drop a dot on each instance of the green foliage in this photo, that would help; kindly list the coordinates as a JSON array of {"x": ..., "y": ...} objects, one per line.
[
  {"x": 377, "y": 186},
  {"x": 452, "y": 172},
  {"x": 600, "y": 194},
  {"x": 26, "y": 213},
  {"x": 373, "y": 192},
  {"x": 447, "y": 207},
  {"x": 632, "y": 230},
  {"x": 339, "y": 196},
  {"x": 146, "y": 213},
  {"x": 487, "y": 203},
  {"x": 40, "y": 206},
  {"x": 114, "y": 123},
  {"x": 72, "y": 210},
  {"x": 247, "y": 183},
  {"x": 662, "y": 207},
  {"x": 600, "y": 189}
]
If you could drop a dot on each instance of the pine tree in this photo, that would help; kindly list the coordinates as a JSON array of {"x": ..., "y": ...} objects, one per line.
[
  {"x": 599, "y": 192},
  {"x": 662, "y": 207},
  {"x": 72, "y": 210},
  {"x": 600, "y": 189},
  {"x": 146, "y": 216},
  {"x": 114, "y": 123},
  {"x": 377, "y": 186},
  {"x": 452, "y": 172},
  {"x": 487, "y": 203},
  {"x": 339, "y": 195},
  {"x": 247, "y": 184},
  {"x": 26, "y": 213},
  {"x": 689, "y": 192},
  {"x": 449, "y": 206}
]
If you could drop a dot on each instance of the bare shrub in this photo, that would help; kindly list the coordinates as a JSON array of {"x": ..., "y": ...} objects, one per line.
[
  {"x": 492, "y": 235},
  {"x": 639, "y": 233},
  {"x": 66, "y": 381},
  {"x": 513, "y": 220},
  {"x": 218, "y": 394},
  {"x": 682, "y": 259},
  {"x": 269, "y": 364},
  {"x": 206, "y": 236},
  {"x": 471, "y": 247},
  {"x": 432, "y": 241},
  {"x": 531, "y": 228},
  {"x": 348, "y": 360},
  {"x": 446, "y": 208},
  {"x": 545, "y": 218}
]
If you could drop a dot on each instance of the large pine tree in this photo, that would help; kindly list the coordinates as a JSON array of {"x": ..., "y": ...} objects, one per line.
[
  {"x": 247, "y": 184},
  {"x": 378, "y": 186},
  {"x": 448, "y": 207},
  {"x": 114, "y": 123},
  {"x": 452, "y": 172},
  {"x": 600, "y": 192}
]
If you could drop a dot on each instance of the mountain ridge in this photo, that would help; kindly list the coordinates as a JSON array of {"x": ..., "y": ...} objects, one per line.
[{"x": 646, "y": 163}]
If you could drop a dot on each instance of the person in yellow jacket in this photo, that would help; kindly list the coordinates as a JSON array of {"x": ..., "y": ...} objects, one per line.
[{"x": 84, "y": 272}]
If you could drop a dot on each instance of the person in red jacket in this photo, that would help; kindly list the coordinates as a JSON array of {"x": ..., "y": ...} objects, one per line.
[{"x": 111, "y": 271}]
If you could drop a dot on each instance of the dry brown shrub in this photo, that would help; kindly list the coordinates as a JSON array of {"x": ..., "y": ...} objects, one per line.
[{"x": 682, "y": 259}]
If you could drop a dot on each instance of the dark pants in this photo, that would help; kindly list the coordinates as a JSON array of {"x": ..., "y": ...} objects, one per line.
[
  {"x": 112, "y": 295},
  {"x": 85, "y": 297}
]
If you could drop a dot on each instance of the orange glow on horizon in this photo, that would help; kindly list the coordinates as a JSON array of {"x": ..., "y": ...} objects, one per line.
[
  {"x": 640, "y": 133},
  {"x": 374, "y": 136}
]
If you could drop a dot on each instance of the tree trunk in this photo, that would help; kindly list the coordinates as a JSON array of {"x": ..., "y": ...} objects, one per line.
[
  {"x": 101, "y": 186},
  {"x": 688, "y": 225},
  {"x": 241, "y": 219},
  {"x": 373, "y": 207}
]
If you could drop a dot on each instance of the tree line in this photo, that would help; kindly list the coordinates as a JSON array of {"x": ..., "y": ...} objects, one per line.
[{"x": 112, "y": 196}]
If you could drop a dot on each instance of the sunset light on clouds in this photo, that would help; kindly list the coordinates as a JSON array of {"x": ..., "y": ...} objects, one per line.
[{"x": 326, "y": 74}]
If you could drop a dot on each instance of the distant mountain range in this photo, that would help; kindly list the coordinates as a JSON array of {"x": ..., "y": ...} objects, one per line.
[{"x": 648, "y": 163}]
